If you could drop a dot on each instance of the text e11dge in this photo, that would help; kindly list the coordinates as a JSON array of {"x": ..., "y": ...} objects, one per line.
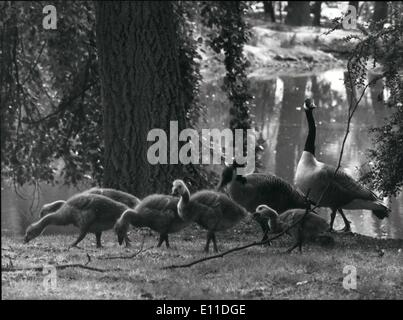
[
  {"x": 222, "y": 309},
  {"x": 203, "y": 309}
]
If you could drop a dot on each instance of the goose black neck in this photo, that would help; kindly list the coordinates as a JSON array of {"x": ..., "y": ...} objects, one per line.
[
  {"x": 186, "y": 197},
  {"x": 310, "y": 139}
]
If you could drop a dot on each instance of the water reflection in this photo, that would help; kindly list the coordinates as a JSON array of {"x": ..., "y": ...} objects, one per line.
[
  {"x": 281, "y": 129},
  {"x": 280, "y": 123}
]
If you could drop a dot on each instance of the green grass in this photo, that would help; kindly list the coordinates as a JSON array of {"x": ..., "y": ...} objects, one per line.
[{"x": 255, "y": 273}]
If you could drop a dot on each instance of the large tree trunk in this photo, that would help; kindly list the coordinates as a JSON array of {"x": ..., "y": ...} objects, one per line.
[
  {"x": 380, "y": 11},
  {"x": 298, "y": 13},
  {"x": 354, "y": 4},
  {"x": 317, "y": 9},
  {"x": 269, "y": 10},
  {"x": 141, "y": 90}
]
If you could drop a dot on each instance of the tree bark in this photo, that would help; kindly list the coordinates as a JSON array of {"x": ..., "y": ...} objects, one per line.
[
  {"x": 317, "y": 10},
  {"x": 298, "y": 13},
  {"x": 269, "y": 10},
  {"x": 141, "y": 90},
  {"x": 380, "y": 11},
  {"x": 354, "y": 4}
]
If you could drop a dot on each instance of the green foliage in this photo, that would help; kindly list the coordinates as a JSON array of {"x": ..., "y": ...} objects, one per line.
[
  {"x": 228, "y": 34},
  {"x": 387, "y": 169},
  {"x": 189, "y": 59},
  {"x": 383, "y": 45},
  {"x": 50, "y": 96}
]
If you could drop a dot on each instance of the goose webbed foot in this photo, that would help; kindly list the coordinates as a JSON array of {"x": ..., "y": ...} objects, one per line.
[
  {"x": 98, "y": 239},
  {"x": 346, "y": 229},
  {"x": 160, "y": 241},
  {"x": 215, "y": 243},
  {"x": 299, "y": 245},
  {"x": 167, "y": 241},
  {"x": 347, "y": 223},
  {"x": 79, "y": 239},
  {"x": 71, "y": 246},
  {"x": 264, "y": 239},
  {"x": 127, "y": 242},
  {"x": 211, "y": 237}
]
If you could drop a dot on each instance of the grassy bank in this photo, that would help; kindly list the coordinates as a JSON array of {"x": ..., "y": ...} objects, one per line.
[
  {"x": 255, "y": 273},
  {"x": 275, "y": 49}
]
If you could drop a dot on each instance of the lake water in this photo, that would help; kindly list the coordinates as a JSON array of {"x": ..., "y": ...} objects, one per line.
[{"x": 281, "y": 127}]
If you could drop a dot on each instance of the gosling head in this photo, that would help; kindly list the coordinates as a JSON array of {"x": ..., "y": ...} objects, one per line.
[
  {"x": 226, "y": 177},
  {"x": 309, "y": 104},
  {"x": 178, "y": 188},
  {"x": 120, "y": 230},
  {"x": 31, "y": 233},
  {"x": 264, "y": 212}
]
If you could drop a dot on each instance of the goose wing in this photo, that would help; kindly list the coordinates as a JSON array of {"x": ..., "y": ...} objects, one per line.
[
  {"x": 207, "y": 198},
  {"x": 160, "y": 212},
  {"x": 206, "y": 205},
  {"x": 345, "y": 187},
  {"x": 276, "y": 192}
]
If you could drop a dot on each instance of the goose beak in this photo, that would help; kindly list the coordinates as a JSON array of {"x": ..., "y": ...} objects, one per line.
[
  {"x": 26, "y": 240},
  {"x": 309, "y": 104}
]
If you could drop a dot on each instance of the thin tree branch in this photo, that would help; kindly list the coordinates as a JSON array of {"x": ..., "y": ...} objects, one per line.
[
  {"x": 59, "y": 267},
  {"x": 256, "y": 243},
  {"x": 128, "y": 256},
  {"x": 34, "y": 65},
  {"x": 63, "y": 105}
]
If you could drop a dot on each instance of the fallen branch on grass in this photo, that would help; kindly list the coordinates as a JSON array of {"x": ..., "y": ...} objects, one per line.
[
  {"x": 128, "y": 256},
  {"x": 131, "y": 256},
  {"x": 221, "y": 255},
  {"x": 58, "y": 267}
]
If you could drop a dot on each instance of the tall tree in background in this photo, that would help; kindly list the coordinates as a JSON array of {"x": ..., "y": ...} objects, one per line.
[
  {"x": 138, "y": 48},
  {"x": 354, "y": 4},
  {"x": 298, "y": 13},
  {"x": 380, "y": 12},
  {"x": 269, "y": 10},
  {"x": 317, "y": 10}
]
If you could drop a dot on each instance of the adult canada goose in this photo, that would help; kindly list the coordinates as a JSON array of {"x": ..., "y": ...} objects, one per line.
[
  {"x": 158, "y": 212},
  {"x": 117, "y": 195},
  {"x": 89, "y": 212},
  {"x": 255, "y": 189},
  {"x": 311, "y": 229},
  {"x": 212, "y": 210},
  {"x": 341, "y": 191}
]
